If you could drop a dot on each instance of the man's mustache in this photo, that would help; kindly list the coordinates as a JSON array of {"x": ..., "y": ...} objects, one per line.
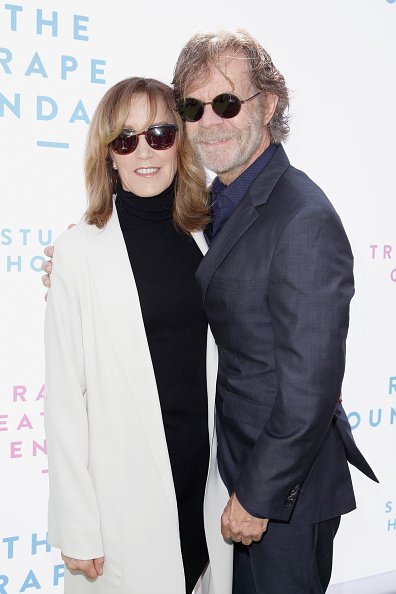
[{"x": 210, "y": 136}]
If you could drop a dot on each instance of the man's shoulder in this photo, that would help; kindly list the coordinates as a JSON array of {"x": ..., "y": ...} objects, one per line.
[
  {"x": 295, "y": 190},
  {"x": 301, "y": 184}
]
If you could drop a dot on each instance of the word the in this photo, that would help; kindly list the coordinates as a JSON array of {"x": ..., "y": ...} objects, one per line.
[{"x": 79, "y": 23}]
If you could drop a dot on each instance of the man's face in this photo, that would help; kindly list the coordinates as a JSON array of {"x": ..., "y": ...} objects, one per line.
[{"x": 229, "y": 146}]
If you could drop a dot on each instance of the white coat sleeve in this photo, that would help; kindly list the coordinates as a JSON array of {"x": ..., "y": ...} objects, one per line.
[{"x": 73, "y": 517}]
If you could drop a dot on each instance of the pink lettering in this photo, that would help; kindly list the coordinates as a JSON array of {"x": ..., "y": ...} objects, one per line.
[
  {"x": 41, "y": 393},
  {"x": 373, "y": 248},
  {"x": 37, "y": 447},
  {"x": 24, "y": 423},
  {"x": 15, "y": 449},
  {"x": 19, "y": 392}
]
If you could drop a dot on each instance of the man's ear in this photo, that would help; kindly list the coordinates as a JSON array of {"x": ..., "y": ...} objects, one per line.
[{"x": 271, "y": 101}]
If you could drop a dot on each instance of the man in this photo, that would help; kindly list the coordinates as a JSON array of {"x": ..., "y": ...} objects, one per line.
[{"x": 276, "y": 283}]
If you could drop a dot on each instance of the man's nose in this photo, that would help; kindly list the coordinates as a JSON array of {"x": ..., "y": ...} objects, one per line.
[{"x": 209, "y": 117}]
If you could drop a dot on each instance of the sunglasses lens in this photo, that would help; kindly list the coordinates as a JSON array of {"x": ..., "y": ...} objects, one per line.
[
  {"x": 226, "y": 105},
  {"x": 161, "y": 138},
  {"x": 124, "y": 144},
  {"x": 191, "y": 110}
]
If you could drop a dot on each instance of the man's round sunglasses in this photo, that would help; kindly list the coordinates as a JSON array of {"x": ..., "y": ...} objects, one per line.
[
  {"x": 225, "y": 105},
  {"x": 159, "y": 136}
]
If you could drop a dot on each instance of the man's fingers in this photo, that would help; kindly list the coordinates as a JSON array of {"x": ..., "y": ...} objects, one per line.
[
  {"x": 45, "y": 279},
  {"x": 71, "y": 225},
  {"x": 46, "y": 267},
  {"x": 226, "y": 532},
  {"x": 240, "y": 526}
]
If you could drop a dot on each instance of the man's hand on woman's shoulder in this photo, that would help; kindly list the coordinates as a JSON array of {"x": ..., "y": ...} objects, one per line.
[{"x": 47, "y": 265}]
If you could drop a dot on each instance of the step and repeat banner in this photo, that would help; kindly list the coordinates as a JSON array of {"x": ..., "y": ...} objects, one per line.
[{"x": 56, "y": 61}]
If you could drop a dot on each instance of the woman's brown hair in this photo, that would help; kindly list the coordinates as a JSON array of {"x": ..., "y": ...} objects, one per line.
[{"x": 190, "y": 211}]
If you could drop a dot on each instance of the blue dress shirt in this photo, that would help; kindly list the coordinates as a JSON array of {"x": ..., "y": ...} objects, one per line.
[{"x": 226, "y": 198}]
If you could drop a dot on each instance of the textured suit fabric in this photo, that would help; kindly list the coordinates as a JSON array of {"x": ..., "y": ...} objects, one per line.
[
  {"x": 277, "y": 283},
  {"x": 306, "y": 551}
]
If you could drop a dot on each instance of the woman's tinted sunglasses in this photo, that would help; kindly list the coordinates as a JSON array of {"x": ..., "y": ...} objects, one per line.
[
  {"x": 225, "y": 105},
  {"x": 159, "y": 136}
]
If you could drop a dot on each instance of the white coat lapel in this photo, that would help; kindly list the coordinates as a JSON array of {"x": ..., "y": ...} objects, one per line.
[
  {"x": 200, "y": 241},
  {"x": 211, "y": 352},
  {"x": 110, "y": 271}
]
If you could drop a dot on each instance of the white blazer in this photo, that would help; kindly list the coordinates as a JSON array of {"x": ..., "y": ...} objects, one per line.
[{"x": 111, "y": 486}]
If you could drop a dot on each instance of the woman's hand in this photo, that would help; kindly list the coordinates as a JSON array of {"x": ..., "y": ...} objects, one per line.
[{"x": 92, "y": 568}]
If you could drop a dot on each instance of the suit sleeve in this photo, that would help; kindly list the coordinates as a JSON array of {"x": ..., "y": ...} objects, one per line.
[
  {"x": 310, "y": 288},
  {"x": 74, "y": 521}
]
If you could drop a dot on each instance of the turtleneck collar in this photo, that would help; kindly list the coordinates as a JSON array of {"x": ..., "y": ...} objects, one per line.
[{"x": 153, "y": 208}]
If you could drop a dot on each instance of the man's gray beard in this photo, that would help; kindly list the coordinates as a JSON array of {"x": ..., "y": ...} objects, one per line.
[{"x": 218, "y": 159}]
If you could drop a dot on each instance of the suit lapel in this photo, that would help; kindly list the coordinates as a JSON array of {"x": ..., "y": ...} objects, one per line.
[
  {"x": 240, "y": 220},
  {"x": 242, "y": 217},
  {"x": 110, "y": 271}
]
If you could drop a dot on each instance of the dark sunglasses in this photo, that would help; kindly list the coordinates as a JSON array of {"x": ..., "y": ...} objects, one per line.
[
  {"x": 160, "y": 137},
  {"x": 224, "y": 105}
]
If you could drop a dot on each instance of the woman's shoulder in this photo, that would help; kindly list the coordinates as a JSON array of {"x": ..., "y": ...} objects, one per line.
[
  {"x": 75, "y": 235},
  {"x": 69, "y": 239},
  {"x": 72, "y": 245},
  {"x": 69, "y": 246}
]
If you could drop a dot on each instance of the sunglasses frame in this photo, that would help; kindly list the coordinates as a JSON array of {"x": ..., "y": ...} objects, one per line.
[
  {"x": 127, "y": 133},
  {"x": 238, "y": 103}
]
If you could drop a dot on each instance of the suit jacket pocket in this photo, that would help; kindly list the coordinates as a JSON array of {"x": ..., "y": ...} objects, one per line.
[{"x": 243, "y": 410}]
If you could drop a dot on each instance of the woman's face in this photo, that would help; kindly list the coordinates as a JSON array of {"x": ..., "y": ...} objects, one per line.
[{"x": 146, "y": 171}]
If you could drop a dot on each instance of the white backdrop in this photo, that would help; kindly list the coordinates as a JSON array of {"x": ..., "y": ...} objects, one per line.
[{"x": 56, "y": 60}]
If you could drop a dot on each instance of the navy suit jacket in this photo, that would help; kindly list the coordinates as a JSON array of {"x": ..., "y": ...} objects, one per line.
[{"x": 277, "y": 282}]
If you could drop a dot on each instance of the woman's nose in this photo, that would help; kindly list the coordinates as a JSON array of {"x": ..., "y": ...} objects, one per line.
[{"x": 143, "y": 149}]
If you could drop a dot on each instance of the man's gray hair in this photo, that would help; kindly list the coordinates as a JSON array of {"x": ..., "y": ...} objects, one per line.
[{"x": 206, "y": 50}]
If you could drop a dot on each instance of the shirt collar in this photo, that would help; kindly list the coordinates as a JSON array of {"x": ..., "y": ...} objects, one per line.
[{"x": 234, "y": 192}]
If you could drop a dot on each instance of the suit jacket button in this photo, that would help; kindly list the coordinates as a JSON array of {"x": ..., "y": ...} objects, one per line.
[{"x": 290, "y": 501}]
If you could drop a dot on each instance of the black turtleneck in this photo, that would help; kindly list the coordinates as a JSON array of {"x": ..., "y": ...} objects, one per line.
[{"x": 164, "y": 261}]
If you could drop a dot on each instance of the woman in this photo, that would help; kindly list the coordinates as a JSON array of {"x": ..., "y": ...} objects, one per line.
[{"x": 126, "y": 407}]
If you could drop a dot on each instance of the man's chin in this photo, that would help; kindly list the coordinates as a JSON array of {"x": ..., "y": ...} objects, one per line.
[{"x": 218, "y": 165}]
